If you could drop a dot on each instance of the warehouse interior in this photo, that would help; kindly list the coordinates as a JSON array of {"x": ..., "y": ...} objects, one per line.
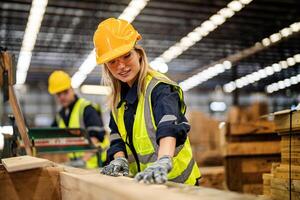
[{"x": 237, "y": 62}]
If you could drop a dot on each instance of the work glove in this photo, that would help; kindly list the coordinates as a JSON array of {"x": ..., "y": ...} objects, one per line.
[
  {"x": 117, "y": 167},
  {"x": 79, "y": 163},
  {"x": 157, "y": 172}
]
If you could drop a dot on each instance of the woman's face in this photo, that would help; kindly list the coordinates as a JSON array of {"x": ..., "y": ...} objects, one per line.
[{"x": 126, "y": 67}]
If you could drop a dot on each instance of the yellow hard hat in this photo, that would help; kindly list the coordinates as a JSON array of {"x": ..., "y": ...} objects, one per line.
[
  {"x": 58, "y": 81},
  {"x": 114, "y": 38}
]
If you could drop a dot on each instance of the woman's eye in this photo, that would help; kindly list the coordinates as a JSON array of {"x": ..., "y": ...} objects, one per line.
[
  {"x": 112, "y": 62},
  {"x": 127, "y": 55}
]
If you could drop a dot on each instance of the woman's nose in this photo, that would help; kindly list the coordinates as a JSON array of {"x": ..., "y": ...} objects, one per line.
[{"x": 121, "y": 64}]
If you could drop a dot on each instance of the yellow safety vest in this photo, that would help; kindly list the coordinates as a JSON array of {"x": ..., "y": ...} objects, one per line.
[
  {"x": 185, "y": 169},
  {"x": 77, "y": 121}
]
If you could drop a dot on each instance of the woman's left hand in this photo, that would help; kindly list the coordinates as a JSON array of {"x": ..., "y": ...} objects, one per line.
[{"x": 157, "y": 172}]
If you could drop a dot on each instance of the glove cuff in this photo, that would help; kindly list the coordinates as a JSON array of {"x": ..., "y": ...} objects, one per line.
[
  {"x": 122, "y": 159},
  {"x": 166, "y": 161}
]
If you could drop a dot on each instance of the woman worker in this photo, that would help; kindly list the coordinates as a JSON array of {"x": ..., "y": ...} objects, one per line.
[{"x": 148, "y": 127}]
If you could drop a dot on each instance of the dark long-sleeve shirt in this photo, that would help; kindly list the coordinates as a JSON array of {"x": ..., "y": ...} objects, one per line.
[{"x": 165, "y": 101}]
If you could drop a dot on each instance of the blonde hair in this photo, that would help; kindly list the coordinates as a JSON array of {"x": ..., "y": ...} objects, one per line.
[{"x": 109, "y": 80}]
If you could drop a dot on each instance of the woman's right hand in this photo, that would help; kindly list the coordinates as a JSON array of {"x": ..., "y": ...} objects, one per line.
[{"x": 118, "y": 167}]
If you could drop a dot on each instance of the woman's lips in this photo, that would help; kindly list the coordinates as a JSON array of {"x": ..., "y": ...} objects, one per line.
[{"x": 124, "y": 73}]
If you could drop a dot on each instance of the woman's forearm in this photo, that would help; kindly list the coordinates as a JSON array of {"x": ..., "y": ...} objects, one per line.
[
  {"x": 119, "y": 154},
  {"x": 167, "y": 146}
]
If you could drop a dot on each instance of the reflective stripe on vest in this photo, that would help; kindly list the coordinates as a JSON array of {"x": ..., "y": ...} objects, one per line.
[{"x": 185, "y": 169}]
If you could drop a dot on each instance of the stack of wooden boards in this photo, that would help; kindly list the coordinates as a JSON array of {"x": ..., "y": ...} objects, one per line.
[
  {"x": 276, "y": 184},
  {"x": 51, "y": 181},
  {"x": 249, "y": 149},
  {"x": 205, "y": 142}
]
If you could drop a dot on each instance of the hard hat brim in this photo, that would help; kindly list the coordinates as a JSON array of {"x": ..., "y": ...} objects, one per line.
[
  {"x": 115, "y": 53},
  {"x": 57, "y": 90}
]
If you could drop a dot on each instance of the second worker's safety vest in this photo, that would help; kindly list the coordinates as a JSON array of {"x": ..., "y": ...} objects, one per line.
[
  {"x": 77, "y": 121},
  {"x": 185, "y": 169}
]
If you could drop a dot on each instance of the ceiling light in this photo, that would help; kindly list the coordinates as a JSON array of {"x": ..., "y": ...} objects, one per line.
[
  {"x": 269, "y": 70},
  {"x": 203, "y": 32},
  {"x": 36, "y": 15},
  {"x": 281, "y": 84},
  {"x": 286, "y": 32},
  {"x": 250, "y": 78},
  {"x": 297, "y": 58},
  {"x": 235, "y": 6},
  {"x": 294, "y": 80},
  {"x": 77, "y": 79},
  {"x": 217, "y": 19},
  {"x": 276, "y": 67},
  {"x": 89, "y": 64},
  {"x": 256, "y": 76},
  {"x": 226, "y": 12},
  {"x": 295, "y": 27},
  {"x": 133, "y": 9},
  {"x": 95, "y": 89},
  {"x": 186, "y": 42},
  {"x": 290, "y": 61},
  {"x": 287, "y": 82},
  {"x": 270, "y": 89},
  {"x": 245, "y": 1},
  {"x": 239, "y": 83},
  {"x": 163, "y": 68},
  {"x": 219, "y": 68},
  {"x": 262, "y": 73},
  {"x": 217, "y": 106},
  {"x": 275, "y": 37},
  {"x": 298, "y": 77},
  {"x": 208, "y": 26},
  {"x": 227, "y": 64},
  {"x": 194, "y": 36},
  {"x": 266, "y": 42},
  {"x": 283, "y": 64}
]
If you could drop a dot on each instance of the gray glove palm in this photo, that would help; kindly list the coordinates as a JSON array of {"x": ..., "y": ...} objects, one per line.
[
  {"x": 157, "y": 172},
  {"x": 117, "y": 167}
]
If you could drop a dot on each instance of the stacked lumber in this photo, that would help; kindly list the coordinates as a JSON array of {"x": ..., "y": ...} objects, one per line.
[
  {"x": 59, "y": 182},
  {"x": 277, "y": 183},
  {"x": 212, "y": 177},
  {"x": 249, "y": 149},
  {"x": 205, "y": 142}
]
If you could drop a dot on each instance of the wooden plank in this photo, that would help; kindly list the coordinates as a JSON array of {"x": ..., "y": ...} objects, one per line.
[
  {"x": 261, "y": 164},
  {"x": 92, "y": 187},
  {"x": 282, "y": 121},
  {"x": 212, "y": 177},
  {"x": 283, "y": 172},
  {"x": 283, "y": 184},
  {"x": 233, "y": 173},
  {"x": 284, "y": 195},
  {"x": 267, "y": 179},
  {"x": 24, "y": 163},
  {"x": 253, "y": 189},
  {"x": 14, "y": 104},
  {"x": 251, "y": 148},
  {"x": 257, "y": 127},
  {"x": 295, "y": 161},
  {"x": 34, "y": 184}
]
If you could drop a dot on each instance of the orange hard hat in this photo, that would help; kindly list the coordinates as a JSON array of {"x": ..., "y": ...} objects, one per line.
[{"x": 114, "y": 38}]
